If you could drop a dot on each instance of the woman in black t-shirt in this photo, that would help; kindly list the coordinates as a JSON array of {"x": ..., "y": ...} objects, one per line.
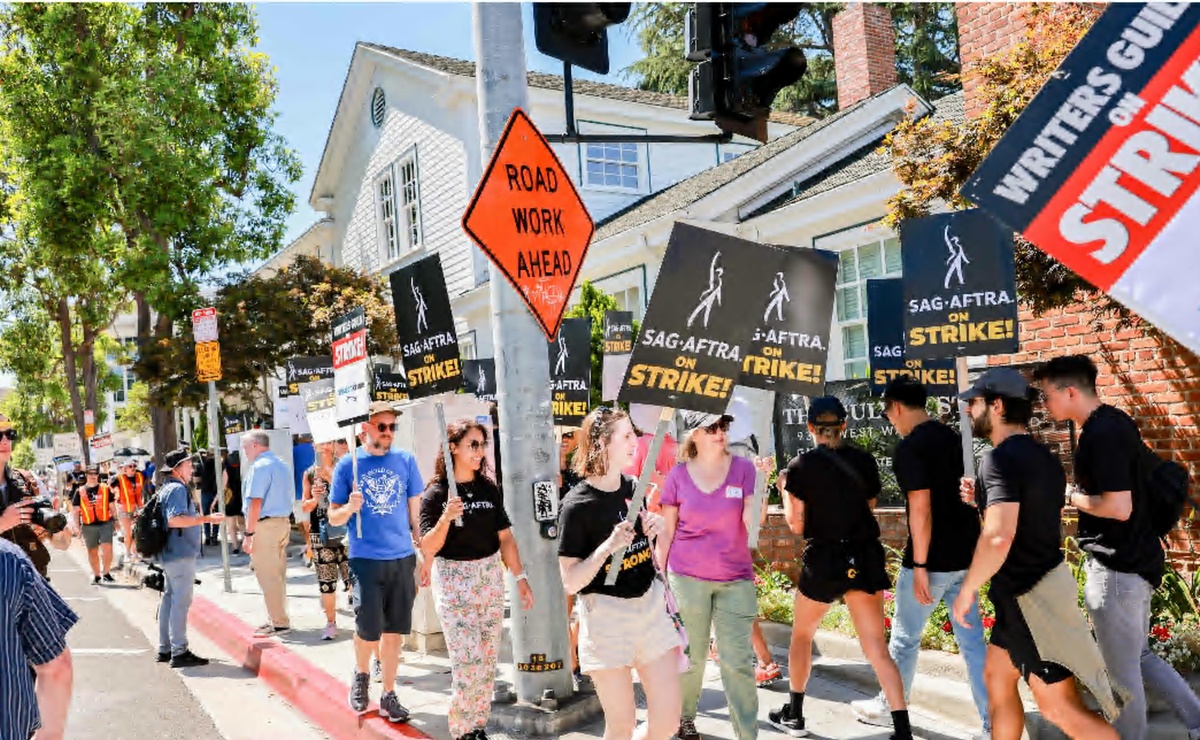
[
  {"x": 626, "y": 625},
  {"x": 468, "y": 580},
  {"x": 829, "y": 497}
]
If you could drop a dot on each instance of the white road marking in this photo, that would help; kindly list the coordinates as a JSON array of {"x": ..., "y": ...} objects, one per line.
[{"x": 108, "y": 651}]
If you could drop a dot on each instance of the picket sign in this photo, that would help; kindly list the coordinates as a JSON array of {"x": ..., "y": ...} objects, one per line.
[
  {"x": 758, "y": 502},
  {"x": 451, "y": 484},
  {"x": 639, "y": 496}
]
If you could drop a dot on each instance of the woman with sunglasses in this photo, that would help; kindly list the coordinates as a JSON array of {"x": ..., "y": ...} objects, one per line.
[
  {"x": 706, "y": 507},
  {"x": 330, "y": 558},
  {"x": 626, "y": 625},
  {"x": 468, "y": 579}
]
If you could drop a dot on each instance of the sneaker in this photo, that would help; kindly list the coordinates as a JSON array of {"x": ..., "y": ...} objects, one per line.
[
  {"x": 188, "y": 659},
  {"x": 391, "y": 709},
  {"x": 687, "y": 729},
  {"x": 360, "y": 692},
  {"x": 329, "y": 632},
  {"x": 873, "y": 711},
  {"x": 766, "y": 675},
  {"x": 95, "y": 580},
  {"x": 270, "y": 630},
  {"x": 376, "y": 670},
  {"x": 783, "y": 720},
  {"x": 107, "y": 578},
  {"x": 163, "y": 657}
]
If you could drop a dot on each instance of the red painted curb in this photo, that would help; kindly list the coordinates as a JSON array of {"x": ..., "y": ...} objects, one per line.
[{"x": 315, "y": 693}]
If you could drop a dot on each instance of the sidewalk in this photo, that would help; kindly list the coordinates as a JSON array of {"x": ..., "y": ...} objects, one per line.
[{"x": 314, "y": 675}]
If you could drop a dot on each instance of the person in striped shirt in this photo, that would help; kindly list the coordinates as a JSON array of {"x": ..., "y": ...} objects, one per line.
[{"x": 35, "y": 663}]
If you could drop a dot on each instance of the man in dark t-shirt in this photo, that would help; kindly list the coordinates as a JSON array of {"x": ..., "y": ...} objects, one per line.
[
  {"x": 1126, "y": 562},
  {"x": 943, "y": 530},
  {"x": 1020, "y": 487}
]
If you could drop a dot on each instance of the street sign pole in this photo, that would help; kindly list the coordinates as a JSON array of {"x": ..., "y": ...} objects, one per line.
[
  {"x": 526, "y": 431},
  {"x": 208, "y": 368}
]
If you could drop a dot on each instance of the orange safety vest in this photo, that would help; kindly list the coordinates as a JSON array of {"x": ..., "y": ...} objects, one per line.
[
  {"x": 98, "y": 514},
  {"x": 130, "y": 492}
]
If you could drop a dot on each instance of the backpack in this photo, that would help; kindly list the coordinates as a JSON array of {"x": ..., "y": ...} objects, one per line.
[
  {"x": 1164, "y": 483},
  {"x": 150, "y": 529}
]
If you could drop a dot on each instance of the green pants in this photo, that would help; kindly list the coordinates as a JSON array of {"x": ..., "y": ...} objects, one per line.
[{"x": 729, "y": 610}]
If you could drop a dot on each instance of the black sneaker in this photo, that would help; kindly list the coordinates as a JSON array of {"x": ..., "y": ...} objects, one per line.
[
  {"x": 188, "y": 659},
  {"x": 163, "y": 657},
  {"x": 360, "y": 692},
  {"x": 784, "y": 721},
  {"x": 108, "y": 578},
  {"x": 95, "y": 580},
  {"x": 687, "y": 729},
  {"x": 391, "y": 709}
]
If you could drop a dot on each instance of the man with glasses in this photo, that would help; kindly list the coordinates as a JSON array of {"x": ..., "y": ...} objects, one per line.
[
  {"x": 18, "y": 489},
  {"x": 385, "y": 498},
  {"x": 132, "y": 489},
  {"x": 270, "y": 489}
]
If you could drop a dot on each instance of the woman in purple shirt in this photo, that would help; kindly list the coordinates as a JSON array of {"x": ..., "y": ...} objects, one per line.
[{"x": 706, "y": 505}]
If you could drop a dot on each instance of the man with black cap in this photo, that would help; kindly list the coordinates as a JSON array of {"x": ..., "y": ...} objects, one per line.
[
  {"x": 185, "y": 520},
  {"x": 1020, "y": 487},
  {"x": 386, "y": 498},
  {"x": 94, "y": 507}
]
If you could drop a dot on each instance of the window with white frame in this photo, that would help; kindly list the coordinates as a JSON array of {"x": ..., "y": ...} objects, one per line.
[
  {"x": 466, "y": 345},
  {"x": 398, "y": 207},
  {"x": 385, "y": 198},
  {"x": 878, "y": 258},
  {"x": 611, "y": 166}
]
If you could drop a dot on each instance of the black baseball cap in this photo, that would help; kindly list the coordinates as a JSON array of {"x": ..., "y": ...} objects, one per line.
[
  {"x": 999, "y": 381},
  {"x": 826, "y": 411}
]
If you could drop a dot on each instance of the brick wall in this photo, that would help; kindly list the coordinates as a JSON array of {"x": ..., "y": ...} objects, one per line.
[
  {"x": 985, "y": 29},
  {"x": 864, "y": 58}
]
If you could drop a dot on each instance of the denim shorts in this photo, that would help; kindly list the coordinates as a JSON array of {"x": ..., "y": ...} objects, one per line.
[{"x": 384, "y": 592}]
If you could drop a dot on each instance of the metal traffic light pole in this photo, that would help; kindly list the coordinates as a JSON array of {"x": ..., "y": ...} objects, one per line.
[{"x": 526, "y": 434}]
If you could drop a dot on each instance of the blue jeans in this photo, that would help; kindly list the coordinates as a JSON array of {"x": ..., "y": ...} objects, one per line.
[
  {"x": 909, "y": 621},
  {"x": 179, "y": 577}
]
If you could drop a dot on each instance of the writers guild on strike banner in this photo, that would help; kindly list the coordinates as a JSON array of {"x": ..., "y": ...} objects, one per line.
[
  {"x": 425, "y": 323},
  {"x": 790, "y": 345},
  {"x": 885, "y": 334},
  {"x": 618, "y": 344},
  {"x": 306, "y": 370},
  {"x": 960, "y": 286},
  {"x": 350, "y": 367},
  {"x": 570, "y": 356},
  {"x": 697, "y": 329},
  {"x": 388, "y": 386},
  {"x": 479, "y": 378},
  {"x": 1101, "y": 169}
]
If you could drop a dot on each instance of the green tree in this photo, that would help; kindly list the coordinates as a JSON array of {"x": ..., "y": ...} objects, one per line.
[
  {"x": 134, "y": 416},
  {"x": 23, "y": 456},
  {"x": 593, "y": 303}
]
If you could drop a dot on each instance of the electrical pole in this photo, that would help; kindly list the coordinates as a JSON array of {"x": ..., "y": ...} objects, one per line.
[{"x": 526, "y": 435}]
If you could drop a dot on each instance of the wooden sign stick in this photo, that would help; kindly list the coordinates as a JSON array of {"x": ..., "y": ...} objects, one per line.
[
  {"x": 639, "y": 496},
  {"x": 354, "y": 476}
]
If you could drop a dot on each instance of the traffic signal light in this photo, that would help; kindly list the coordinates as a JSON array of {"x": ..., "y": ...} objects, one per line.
[
  {"x": 738, "y": 77},
  {"x": 576, "y": 32}
]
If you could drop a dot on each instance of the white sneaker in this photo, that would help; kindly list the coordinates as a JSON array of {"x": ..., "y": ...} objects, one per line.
[
  {"x": 329, "y": 632},
  {"x": 872, "y": 711}
]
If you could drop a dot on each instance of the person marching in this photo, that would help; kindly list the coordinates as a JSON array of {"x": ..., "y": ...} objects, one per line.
[
  {"x": 706, "y": 507},
  {"x": 1126, "y": 563},
  {"x": 468, "y": 579},
  {"x": 626, "y": 625},
  {"x": 942, "y": 534},
  {"x": 93, "y": 508},
  {"x": 131, "y": 488},
  {"x": 329, "y": 554},
  {"x": 1040, "y": 633},
  {"x": 830, "y": 497}
]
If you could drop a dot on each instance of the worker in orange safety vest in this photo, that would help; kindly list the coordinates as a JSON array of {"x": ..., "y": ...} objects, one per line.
[
  {"x": 93, "y": 509},
  {"x": 132, "y": 490}
]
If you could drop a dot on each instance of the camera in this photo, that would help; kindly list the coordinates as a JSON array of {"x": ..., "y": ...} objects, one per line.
[
  {"x": 43, "y": 514},
  {"x": 155, "y": 580}
]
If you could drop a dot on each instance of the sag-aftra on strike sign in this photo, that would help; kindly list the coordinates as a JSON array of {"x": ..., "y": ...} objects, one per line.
[
  {"x": 528, "y": 218},
  {"x": 1102, "y": 168}
]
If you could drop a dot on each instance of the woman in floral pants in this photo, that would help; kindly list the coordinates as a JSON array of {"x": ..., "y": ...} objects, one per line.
[{"x": 468, "y": 580}]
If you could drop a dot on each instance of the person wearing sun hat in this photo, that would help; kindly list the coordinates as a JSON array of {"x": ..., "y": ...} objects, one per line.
[{"x": 131, "y": 489}]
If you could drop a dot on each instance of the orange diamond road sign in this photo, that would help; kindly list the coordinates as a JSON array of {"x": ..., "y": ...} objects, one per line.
[{"x": 528, "y": 218}]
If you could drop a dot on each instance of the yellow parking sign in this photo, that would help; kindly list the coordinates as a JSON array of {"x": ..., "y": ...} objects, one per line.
[{"x": 208, "y": 361}]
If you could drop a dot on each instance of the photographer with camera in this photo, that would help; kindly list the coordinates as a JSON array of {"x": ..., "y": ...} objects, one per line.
[{"x": 25, "y": 517}]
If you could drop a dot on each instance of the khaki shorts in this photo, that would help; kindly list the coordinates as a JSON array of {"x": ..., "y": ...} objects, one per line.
[
  {"x": 622, "y": 633},
  {"x": 95, "y": 535}
]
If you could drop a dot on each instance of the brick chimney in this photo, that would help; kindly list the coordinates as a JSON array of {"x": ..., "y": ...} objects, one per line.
[
  {"x": 864, "y": 52},
  {"x": 985, "y": 29}
]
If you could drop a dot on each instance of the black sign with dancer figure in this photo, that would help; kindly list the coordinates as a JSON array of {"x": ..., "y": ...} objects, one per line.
[
  {"x": 479, "y": 377},
  {"x": 697, "y": 330},
  {"x": 791, "y": 344},
  {"x": 885, "y": 338},
  {"x": 306, "y": 370},
  {"x": 960, "y": 286},
  {"x": 425, "y": 323},
  {"x": 570, "y": 357}
]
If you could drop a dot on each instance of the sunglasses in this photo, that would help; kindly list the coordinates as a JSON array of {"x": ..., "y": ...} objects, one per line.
[
  {"x": 720, "y": 426},
  {"x": 476, "y": 444},
  {"x": 386, "y": 427},
  {"x": 341, "y": 441},
  {"x": 10, "y": 434}
]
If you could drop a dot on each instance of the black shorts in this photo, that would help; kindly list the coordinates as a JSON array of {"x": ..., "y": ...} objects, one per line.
[
  {"x": 384, "y": 591},
  {"x": 830, "y": 569},
  {"x": 1011, "y": 634}
]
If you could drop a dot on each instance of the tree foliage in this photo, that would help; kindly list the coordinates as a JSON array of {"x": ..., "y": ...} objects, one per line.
[
  {"x": 593, "y": 303},
  {"x": 933, "y": 159},
  {"x": 265, "y": 320},
  {"x": 134, "y": 416},
  {"x": 926, "y": 51},
  {"x": 23, "y": 456}
]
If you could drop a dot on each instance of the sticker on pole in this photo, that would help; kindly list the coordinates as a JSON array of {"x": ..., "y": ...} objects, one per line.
[
  {"x": 350, "y": 362},
  {"x": 425, "y": 323},
  {"x": 570, "y": 356},
  {"x": 1101, "y": 170},
  {"x": 885, "y": 335},
  {"x": 530, "y": 221},
  {"x": 960, "y": 286}
]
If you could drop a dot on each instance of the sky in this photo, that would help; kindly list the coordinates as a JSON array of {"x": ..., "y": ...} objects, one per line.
[{"x": 310, "y": 46}]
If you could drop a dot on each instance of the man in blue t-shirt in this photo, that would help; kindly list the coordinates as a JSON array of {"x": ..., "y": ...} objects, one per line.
[{"x": 386, "y": 499}]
